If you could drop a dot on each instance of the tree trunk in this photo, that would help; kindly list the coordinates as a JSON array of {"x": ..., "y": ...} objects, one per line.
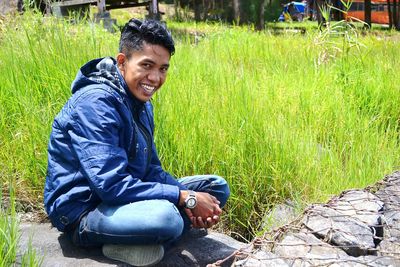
[
  {"x": 398, "y": 15},
  {"x": 394, "y": 14},
  {"x": 312, "y": 10},
  {"x": 390, "y": 14},
  {"x": 318, "y": 6},
  {"x": 367, "y": 12},
  {"x": 153, "y": 9},
  {"x": 337, "y": 15},
  {"x": 206, "y": 8},
  {"x": 197, "y": 10},
  {"x": 244, "y": 11},
  {"x": 101, "y": 6},
  {"x": 260, "y": 23},
  {"x": 236, "y": 11},
  {"x": 397, "y": 25},
  {"x": 176, "y": 9}
]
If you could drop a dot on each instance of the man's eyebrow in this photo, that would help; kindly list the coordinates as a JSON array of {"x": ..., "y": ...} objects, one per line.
[{"x": 148, "y": 60}]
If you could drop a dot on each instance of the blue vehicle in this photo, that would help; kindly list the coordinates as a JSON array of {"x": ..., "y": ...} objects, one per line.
[{"x": 294, "y": 11}]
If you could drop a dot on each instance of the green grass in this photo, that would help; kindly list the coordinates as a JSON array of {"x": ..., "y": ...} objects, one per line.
[
  {"x": 277, "y": 115},
  {"x": 9, "y": 236},
  {"x": 8, "y": 231},
  {"x": 256, "y": 109},
  {"x": 39, "y": 59}
]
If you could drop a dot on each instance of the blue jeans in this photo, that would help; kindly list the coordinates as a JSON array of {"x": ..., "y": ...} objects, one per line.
[{"x": 144, "y": 222}]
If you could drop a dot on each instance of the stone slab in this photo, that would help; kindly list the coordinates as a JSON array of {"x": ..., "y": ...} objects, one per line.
[
  {"x": 360, "y": 205},
  {"x": 305, "y": 248},
  {"x": 262, "y": 258},
  {"x": 353, "y": 236},
  {"x": 57, "y": 250}
]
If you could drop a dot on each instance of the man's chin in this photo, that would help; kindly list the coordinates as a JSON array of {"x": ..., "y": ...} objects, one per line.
[{"x": 145, "y": 98}]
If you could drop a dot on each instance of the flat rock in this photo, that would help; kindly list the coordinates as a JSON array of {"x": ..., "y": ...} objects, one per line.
[
  {"x": 360, "y": 205},
  {"x": 262, "y": 258},
  {"x": 391, "y": 224},
  {"x": 304, "y": 249},
  {"x": 389, "y": 247},
  {"x": 390, "y": 195},
  {"x": 8, "y": 7},
  {"x": 358, "y": 228},
  {"x": 353, "y": 236},
  {"x": 280, "y": 215},
  {"x": 380, "y": 261},
  {"x": 57, "y": 250},
  {"x": 393, "y": 178}
]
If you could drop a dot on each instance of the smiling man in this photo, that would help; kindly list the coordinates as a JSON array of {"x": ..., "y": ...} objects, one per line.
[{"x": 105, "y": 185}]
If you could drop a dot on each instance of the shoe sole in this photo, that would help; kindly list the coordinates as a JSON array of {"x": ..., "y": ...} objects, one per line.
[{"x": 135, "y": 255}]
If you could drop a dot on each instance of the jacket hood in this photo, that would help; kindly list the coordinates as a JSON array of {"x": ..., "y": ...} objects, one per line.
[{"x": 100, "y": 71}]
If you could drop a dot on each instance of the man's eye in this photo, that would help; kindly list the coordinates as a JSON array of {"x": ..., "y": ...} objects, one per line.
[
  {"x": 164, "y": 69},
  {"x": 146, "y": 65}
]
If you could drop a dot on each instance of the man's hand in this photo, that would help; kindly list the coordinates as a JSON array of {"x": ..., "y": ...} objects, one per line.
[
  {"x": 199, "y": 222},
  {"x": 207, "y": 211}
]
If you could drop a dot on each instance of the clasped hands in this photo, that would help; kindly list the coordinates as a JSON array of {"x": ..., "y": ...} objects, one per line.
[{"x": 207, "y": 211}]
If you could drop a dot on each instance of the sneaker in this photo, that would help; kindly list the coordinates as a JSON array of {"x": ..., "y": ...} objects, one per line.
[
  {"x": 196, "y": 233},
  {"x": 139, "y": 255}
]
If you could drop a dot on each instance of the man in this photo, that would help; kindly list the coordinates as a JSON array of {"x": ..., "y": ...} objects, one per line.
[{"x": 105, "y": 185}]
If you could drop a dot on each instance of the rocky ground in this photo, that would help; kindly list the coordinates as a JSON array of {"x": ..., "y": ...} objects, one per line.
[
  {"x": 8, "y": 6},
  {"x": 357, "y": 228},
  {"x": 56, "y": 249}
]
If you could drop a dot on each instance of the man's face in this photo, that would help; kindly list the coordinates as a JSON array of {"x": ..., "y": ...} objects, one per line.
[{"x": 145, "y": 71}]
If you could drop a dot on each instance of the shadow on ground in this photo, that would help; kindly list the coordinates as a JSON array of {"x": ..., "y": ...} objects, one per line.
[{"x": 57, "y": 249}]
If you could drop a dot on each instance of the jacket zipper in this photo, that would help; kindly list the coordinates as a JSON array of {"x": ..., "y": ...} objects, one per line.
[
  {"x": 132, "y": 152},
  {"x": 146, "y": 137}
]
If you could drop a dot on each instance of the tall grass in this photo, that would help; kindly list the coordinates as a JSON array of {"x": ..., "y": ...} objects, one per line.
[
  {"x": 38, "y": 60},
  {"x": 280, "y": 123},
  {"x": 9, "y": 236},
  {"x": 8, "y": 231},
  {"x": 263, "y": 111}
]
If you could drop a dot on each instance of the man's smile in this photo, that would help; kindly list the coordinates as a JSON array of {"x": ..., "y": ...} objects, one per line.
[{"x": 147, "y": 88}]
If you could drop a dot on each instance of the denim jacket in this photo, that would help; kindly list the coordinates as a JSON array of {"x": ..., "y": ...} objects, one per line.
[{"x": 101, "y": 149}]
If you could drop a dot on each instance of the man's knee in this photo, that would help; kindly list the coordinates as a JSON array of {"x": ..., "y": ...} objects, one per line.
[
  {"x": 159, "y": 220},
  {"x": 168, "y": 222},
  {"x": 220, "y": 186}
]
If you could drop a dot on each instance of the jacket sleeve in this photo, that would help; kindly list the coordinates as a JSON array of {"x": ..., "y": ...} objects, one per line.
[{"x": 95, "y": 140}]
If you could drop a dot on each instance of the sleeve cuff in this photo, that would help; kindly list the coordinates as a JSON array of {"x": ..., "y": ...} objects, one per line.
[{"x": 171, "y": 193}]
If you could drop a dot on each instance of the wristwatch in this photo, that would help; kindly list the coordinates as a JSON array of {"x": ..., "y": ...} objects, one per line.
[{"x": 191, "y": 200}]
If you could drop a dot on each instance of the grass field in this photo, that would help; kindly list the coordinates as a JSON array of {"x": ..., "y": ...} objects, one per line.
[
  {"x": 281, "y": 117},
  {"x": 287, "y": 116},
  {"x": 9, "y": 236}
]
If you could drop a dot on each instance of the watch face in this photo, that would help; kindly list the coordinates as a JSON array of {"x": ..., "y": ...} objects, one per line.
[{"x": 191, "y": 202}]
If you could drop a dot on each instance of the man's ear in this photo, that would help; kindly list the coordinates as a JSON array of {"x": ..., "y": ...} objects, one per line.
[{"x": 121, "y": 59}]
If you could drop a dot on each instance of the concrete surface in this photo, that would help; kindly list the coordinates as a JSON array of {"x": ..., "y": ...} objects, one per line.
[{"x": 57, "y": 250}]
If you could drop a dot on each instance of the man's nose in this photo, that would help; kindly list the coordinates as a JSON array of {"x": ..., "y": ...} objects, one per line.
[{"x": 154, "y": 76}]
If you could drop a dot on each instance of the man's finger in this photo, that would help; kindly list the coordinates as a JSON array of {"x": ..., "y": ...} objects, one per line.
[
  {"x": 216, "y": 218},
  {"x": 217, "y": 210},
  {"x": 194, "y": 224},
  {"x": 216, "y": 201},
  {"x": 200, "y": 222},
  {"x": 189, "y": 212}
]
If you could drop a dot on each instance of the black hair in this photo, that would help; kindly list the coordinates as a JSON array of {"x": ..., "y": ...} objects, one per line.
[{"x": 135, "y": 32}]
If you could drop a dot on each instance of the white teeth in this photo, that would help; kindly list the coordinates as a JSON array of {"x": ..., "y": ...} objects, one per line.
[{"x": 148, "y": 88}]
